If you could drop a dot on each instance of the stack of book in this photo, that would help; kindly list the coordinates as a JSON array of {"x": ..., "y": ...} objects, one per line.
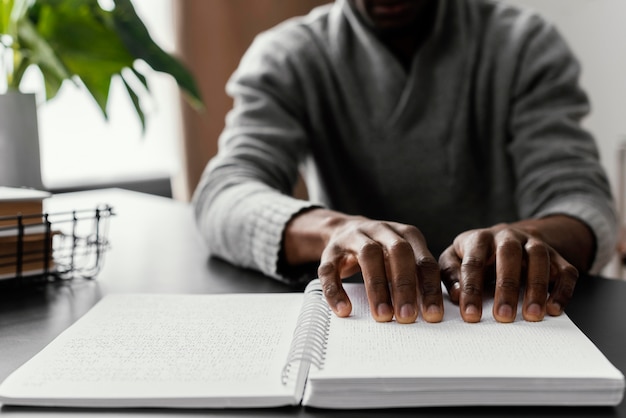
[{"x": 25, "y": 237}]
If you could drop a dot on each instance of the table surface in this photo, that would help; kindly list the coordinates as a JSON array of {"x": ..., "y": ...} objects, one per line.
[{"x": 155, "y": 248}]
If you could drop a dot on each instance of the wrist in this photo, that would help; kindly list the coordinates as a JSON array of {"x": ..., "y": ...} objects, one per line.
[
  {"x": 307, "y": 234},
  {"x": 569, "y": 236}
]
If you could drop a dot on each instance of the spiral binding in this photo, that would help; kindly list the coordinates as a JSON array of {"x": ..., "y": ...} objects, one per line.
[{"x": 308, "y": 346}]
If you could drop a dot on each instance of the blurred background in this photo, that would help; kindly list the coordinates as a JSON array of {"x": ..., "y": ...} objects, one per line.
[{"x": 80, "y": 150}]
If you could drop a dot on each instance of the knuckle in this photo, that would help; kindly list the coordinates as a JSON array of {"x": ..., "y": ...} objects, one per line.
[
  {"x": 430, "y": 288},
  {"x": 369, "y": 227},
  {"x": 326, "y": 269},
  {"x": 378, "y": 283},
  {"x": 427, "y": 264},
  {"x": 569, "y": 290},
  {"x": 370, "y": 249},
  {"x": 483, "y": 235},
  {"x": 570, "y": 271},
  {"x": 447, "y": 256},
  {"x": 333, "y": 249},
  {"x": 377, "y": 287},
  {"x": 501, "y": 226},
  {"x": 567, "y": 280},
  {"x": 330, "y": 289},
  {"x": 538, "y": 284},
  {"x": 403, "y": 283},
  {"x": 503, "y": 233},
  {"x": 472, "y": 262},
  {"x": 508, "y": 284},
  {"x": 401, "y": 249},
  {"x": 448, "y": 270},
  {"x": 408, "y": 230},
  {"x": 510, "y": 247},
  {"x": 536, "y": 248},
  {"x": 471, "y": 289},
  {"x": 447, "y": 265}
]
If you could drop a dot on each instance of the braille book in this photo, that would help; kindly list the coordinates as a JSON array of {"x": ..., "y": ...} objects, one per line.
[{"x": 269, "y": 350}]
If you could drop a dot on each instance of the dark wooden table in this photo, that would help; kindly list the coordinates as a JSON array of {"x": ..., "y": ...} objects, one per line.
[{"x": 155, "y": 248}]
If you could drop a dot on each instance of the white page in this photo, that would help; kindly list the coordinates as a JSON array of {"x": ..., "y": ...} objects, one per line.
[
  {"x": 167, "y": 350},
  {"x": 359, "y": 347}
]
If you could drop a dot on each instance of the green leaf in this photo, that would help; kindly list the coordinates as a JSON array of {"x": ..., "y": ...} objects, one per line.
[
  {"x": 11, "y": 11},
  {"x": 5, "y": 13},
  {"x": 137, "y": 39},
  {"x": 99, "y": 89},
  {"x": 51, "y": 81},
  {"x": 79, "y": 41},
  {"x": 141, "y": 78},
  {"x": 18, "y": 8},
  {"x": 137, "y": 104},
  {"x": 92, "y": 51},
  {"x": 36, "y": 50}
]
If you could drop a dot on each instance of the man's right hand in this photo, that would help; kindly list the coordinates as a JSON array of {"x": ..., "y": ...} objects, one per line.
[{"x": 400, "y": 274}]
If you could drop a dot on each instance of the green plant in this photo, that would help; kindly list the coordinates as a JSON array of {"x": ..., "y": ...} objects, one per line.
[{"x": 81, "y": 41}]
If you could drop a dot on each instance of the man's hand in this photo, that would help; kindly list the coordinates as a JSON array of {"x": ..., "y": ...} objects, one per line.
[
  {"x": 401, "y": 276},
  {"x": 521, "y": 258},
  {"x": 397, "y": 269}
]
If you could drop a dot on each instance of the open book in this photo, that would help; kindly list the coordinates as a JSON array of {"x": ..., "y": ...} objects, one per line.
[{"x": 263, "y": 350}]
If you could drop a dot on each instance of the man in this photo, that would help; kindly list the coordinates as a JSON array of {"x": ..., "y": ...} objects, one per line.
[{"x": 423, "y": 128}]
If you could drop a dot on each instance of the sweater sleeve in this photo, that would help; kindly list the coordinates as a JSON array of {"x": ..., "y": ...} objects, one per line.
[
  {"x": 556, "y": 161},
  {"x": 244, "y": 198}
]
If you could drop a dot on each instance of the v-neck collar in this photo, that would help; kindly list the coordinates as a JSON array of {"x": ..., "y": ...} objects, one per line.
[{"x": 372, "y": 73}]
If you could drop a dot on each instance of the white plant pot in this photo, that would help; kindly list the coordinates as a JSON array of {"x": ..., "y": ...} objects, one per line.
[{"x": 20, "y": 162}]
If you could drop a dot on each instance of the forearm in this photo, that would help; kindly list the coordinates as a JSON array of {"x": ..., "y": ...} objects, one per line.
[
  {"x": 244, "y": 223},
  {"x": 570, "y": 237}
]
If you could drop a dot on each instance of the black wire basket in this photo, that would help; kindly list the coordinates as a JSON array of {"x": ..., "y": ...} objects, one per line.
[{"x": 53, "y": 246}]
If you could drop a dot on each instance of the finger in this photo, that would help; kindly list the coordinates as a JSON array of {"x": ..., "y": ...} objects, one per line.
[
  {"x": 403, "y": 280},
  {"x": 450, "y": 265},
  {"x": 477, "y": 251},
  {"x": 431, "y": 298},
  {"x": 427, "y": 276},
  {"x": 328, "y": 274},
  {"x": 371, "y": 258},
  {"x": 564, "y": 285},
  {"x": 537, "y": 280},
  {"x": 509, "y": 257}
]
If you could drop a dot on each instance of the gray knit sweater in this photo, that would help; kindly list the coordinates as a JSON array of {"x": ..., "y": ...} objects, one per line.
[{"x": 483, "y": 128}]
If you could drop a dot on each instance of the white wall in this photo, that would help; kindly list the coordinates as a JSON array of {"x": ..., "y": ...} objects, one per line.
[{"x": 596, "y": 31}]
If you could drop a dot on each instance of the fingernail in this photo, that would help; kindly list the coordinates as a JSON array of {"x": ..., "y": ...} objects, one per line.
[
  {"x": 407, "y": 311},
  {"x": 471, "y": 310},
  {"x": 384, "y": 310},
  {"x": 556, "y": 307},
  {"x": 505, "y": 310},
  {"x": 433, "y": 313},
  {"x": 340, "y": 307},
  {"x": 433, "y": 310},
  {"x": 534, "y": 309}
]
